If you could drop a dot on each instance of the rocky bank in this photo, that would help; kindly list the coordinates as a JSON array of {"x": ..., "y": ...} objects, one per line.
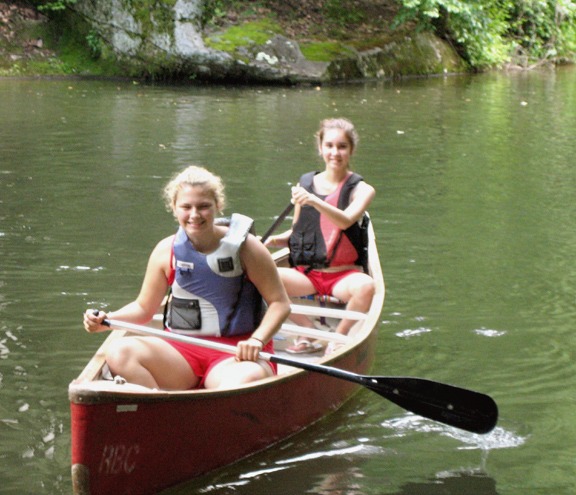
[{"x": 291, "y": 42}]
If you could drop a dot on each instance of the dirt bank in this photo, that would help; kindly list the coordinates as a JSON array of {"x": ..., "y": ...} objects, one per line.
[{"x": 20, "y": 38}]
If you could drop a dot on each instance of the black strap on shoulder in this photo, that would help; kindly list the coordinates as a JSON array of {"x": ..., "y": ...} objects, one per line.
[
  {"x": 351, "y": 183},
  {"x": 307, "y": 180}
]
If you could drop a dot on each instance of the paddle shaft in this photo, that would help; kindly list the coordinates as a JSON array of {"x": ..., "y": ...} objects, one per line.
[
  {"x": 441, "y": 402},
  {"x": 277, "y": 222},
  {"x": 300, "y": 331}
]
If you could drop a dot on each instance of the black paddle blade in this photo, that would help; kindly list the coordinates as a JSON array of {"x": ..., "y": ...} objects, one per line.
[{"x": 454, "y": 406}]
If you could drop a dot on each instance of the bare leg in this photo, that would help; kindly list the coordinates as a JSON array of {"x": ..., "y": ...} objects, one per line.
[
  {"x": 151, "y": 362},
  {"x": 297, "y": 284},
  {"x": 230, "y": 373},
  {"x": 357, "y": 290}
]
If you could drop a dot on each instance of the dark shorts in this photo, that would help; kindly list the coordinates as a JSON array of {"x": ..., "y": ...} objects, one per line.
[{"x": 203, "y": 359}]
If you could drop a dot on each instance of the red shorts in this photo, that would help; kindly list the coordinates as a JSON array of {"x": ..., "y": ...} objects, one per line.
[
  {"x": 203, "y": 359},
  {"x": 324, "y": 282}
]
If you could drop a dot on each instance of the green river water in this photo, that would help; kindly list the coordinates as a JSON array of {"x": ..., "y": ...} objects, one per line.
[{"x": 475, "y": 216}]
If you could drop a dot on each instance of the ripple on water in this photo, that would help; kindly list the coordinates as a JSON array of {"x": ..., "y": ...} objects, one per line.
[
  {"x": 361, "y": 449},
  {"x": 79, "y": 268},
  {"x": 413, "y": 332},
  {"x": 4, "y": 341},
  {"x": 487, "y": 332},
  {"x": 498, "y": 438}
]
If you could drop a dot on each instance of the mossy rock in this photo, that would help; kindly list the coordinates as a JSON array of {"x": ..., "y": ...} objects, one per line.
[{"x": 244, "y": 35}]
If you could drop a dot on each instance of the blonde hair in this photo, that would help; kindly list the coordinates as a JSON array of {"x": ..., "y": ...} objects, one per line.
[
  {"x": 195, "y": 176},
  {"x": 339, "y": 123}
]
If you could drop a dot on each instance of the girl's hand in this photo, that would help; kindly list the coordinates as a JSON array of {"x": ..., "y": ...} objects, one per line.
[
  {"x": 275, "y": 241},
  {"x": 301, "y": 196},
  {"x": 249, "y": 350},
  {"x": 93, "y": 321}
]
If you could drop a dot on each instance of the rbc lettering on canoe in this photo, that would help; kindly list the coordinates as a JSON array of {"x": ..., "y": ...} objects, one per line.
[{"x": 119, "y": 459}]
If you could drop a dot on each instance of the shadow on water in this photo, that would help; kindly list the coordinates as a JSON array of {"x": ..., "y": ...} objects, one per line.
[{"x": 338, "y": 472}]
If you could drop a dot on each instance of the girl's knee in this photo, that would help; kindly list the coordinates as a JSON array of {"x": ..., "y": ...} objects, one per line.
[
  {"x": 364, "y": 290},
  {"x": 362, "y": 295},
  {"x": 368, "y": 289},
  {"x": 234, "y": 374},
  {"x": 120, "y": 353}
]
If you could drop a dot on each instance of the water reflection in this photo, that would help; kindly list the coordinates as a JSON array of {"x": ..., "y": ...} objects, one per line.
[
  {"x": 453, "y": 484},
  {"x": 333, "y": 471},
  {"x": 341, "y": 475}
]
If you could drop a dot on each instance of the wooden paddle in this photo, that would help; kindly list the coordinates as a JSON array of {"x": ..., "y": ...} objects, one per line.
[{"x": 454, "y": 406}]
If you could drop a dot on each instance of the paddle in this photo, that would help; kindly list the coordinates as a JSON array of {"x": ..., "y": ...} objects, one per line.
[
  {"x": 277, "y": 222},
  {"x": 454, "y": 406}
]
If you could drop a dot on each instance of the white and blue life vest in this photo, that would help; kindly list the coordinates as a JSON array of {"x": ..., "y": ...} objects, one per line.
[{"x": 211, "y": 295}]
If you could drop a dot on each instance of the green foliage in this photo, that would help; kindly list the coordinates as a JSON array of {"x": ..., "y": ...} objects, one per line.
[
  {"x": 543, "y": 29},
  {"x": 213, "y": 10},
  {"x": 488, "y": 32},
  {"x": 75, "y": 55},
  {"x": 80, "y": 48},
  {"x": 94, "y": 42},
  {"x": 48, "y": 6},
  {"x": 467, "y": 24}
]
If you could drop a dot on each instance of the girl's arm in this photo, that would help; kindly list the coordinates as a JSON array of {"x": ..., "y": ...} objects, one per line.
[
  {"x": 262, "y": 271},
  {"x": 360, "y": 200},
  {"x": 152, "y": 292}
]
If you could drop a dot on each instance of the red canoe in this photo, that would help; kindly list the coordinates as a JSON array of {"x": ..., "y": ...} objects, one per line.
[{"x": 128, "y": 439}]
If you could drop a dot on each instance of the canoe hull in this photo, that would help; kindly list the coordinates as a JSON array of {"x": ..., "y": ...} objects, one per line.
[{"x": 138, "y": 446}]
